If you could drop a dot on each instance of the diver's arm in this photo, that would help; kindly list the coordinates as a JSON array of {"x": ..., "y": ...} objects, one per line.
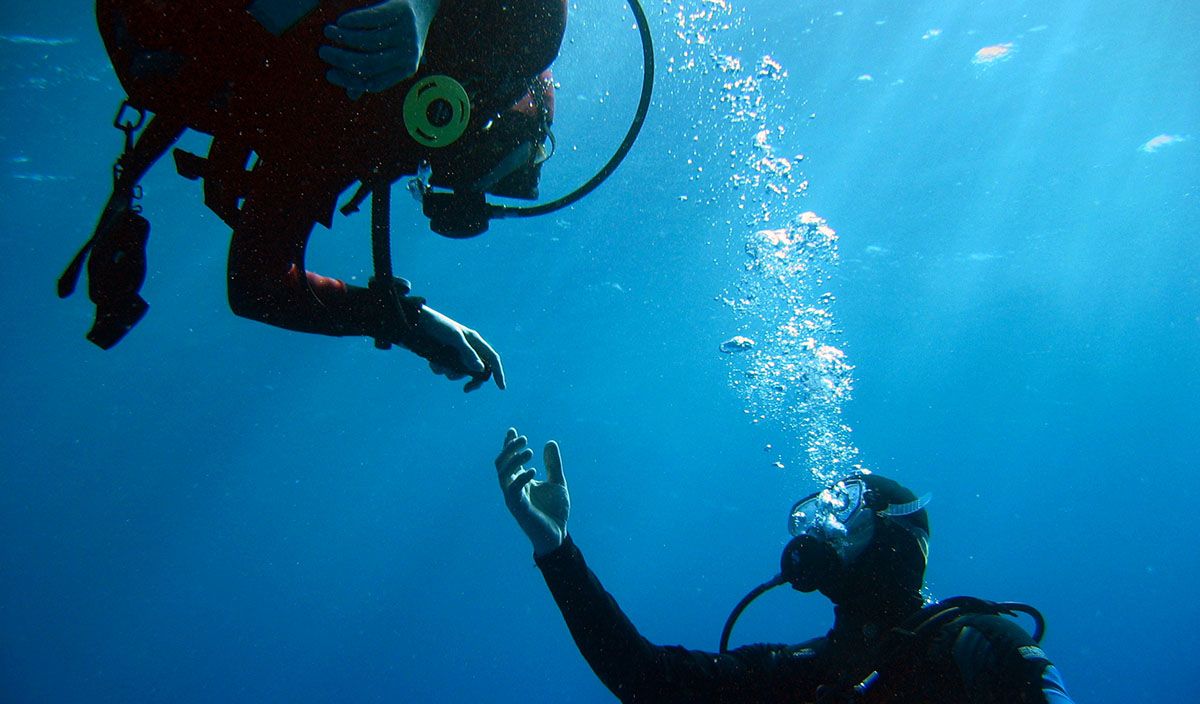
[
  {"x": 632, "y": 667},
  {"x": 636, "y": 670}
]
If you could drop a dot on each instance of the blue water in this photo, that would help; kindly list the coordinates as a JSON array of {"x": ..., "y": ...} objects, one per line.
[{"x": 217, "y": 510}]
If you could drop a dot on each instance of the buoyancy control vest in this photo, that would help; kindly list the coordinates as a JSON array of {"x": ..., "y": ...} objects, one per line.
[{"x": 212, "y": 66}]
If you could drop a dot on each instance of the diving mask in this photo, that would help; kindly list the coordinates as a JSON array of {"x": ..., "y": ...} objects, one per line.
[{"x": 829, "y": 509}]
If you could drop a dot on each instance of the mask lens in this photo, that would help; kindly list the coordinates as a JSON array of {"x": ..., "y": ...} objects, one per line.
[
  {"x": 804, "y": 516},
  {"x": 830, "y": 509}
]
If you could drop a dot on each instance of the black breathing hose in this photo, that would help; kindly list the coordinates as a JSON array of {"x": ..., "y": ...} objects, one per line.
[{"x": 737, "y": 610}]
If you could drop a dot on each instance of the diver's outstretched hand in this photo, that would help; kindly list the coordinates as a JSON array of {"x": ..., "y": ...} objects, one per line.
[
  {"x": 476, "y": 358},
  {"x": 374, "y": 48},
  {"x": 540, "y": 507}
]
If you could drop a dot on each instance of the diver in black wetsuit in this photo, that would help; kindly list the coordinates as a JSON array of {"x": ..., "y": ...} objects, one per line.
[{"x": 862, "y": 542}]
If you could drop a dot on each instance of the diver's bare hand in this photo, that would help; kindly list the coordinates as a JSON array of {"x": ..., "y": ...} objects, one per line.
[
  {"x": 376, "y": 47},
  {"x": 540, "y": 507}
]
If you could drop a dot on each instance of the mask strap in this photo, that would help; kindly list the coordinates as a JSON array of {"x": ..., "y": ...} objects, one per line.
[{"x": 908, "y": 508}]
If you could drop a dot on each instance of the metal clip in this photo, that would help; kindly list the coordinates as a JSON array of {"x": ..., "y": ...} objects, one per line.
[{"x": 124, "y": 124}]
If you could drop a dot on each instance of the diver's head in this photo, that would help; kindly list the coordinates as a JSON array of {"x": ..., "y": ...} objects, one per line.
[{"x": 862, "y": 541}]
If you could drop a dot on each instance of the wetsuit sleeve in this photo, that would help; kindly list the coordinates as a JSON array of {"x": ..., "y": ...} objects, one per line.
[
  {"x": 1001, "y": 664},
  {"x": 636, "y": 670}
]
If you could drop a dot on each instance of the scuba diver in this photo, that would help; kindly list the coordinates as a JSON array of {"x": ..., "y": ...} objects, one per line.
[
  {"x": 304, "y": 98},
  {"x": 863, "y": 542}
]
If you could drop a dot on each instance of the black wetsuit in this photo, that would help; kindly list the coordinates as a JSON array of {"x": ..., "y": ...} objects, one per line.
[{"x": 976, "y": 659}]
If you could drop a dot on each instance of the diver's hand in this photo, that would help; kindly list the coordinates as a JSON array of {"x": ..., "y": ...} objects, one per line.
[
  {"x": 475, "y": 356},
  {"x": 376, "y": 47},
  {"x": 540, "y": 507}
]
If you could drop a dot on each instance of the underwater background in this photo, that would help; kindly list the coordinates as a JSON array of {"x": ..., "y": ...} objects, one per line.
[{"x": 1008, "y": 317}]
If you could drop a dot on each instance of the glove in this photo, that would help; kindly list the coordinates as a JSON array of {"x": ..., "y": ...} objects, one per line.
[
  {"x": 469, "y": 354},
  {"x": 376, "y": 47},
  {"x": 452, "y": 349},
  {"x": 540, "y": 507}
]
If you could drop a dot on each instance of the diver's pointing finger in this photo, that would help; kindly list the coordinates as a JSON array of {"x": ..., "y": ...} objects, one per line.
[
  {"x": 552, "y": 456},
  {"x": 488, "y": 354}
]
